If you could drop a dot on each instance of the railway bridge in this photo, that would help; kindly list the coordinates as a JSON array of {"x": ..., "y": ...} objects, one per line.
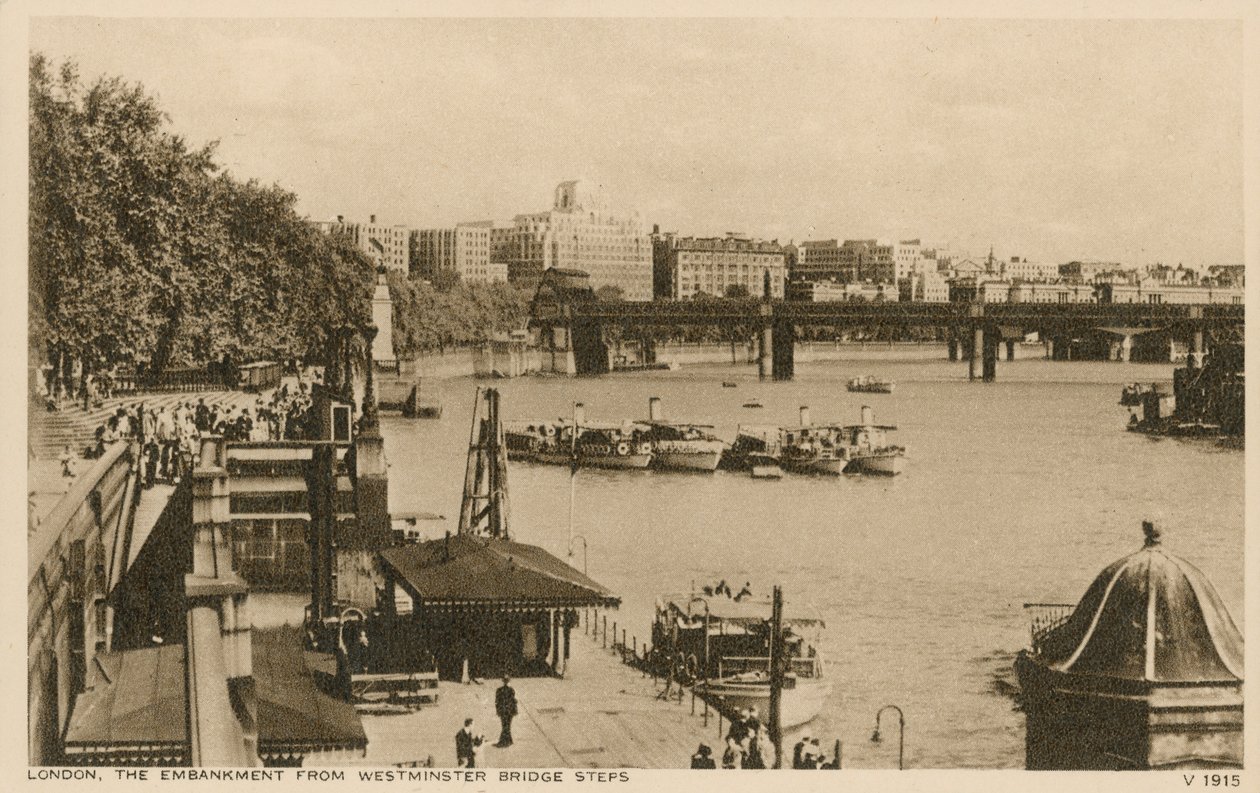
[{"x": 575, "y": 327}]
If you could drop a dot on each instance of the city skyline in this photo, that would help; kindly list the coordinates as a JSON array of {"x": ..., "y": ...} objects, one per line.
[{"x": 1048, "y": 139}]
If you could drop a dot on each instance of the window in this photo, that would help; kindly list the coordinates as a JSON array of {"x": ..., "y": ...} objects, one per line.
[{"x": 1155, "y": 299}]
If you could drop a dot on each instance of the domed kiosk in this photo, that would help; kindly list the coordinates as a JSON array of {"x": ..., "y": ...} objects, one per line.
[{"x": 1145, "y": 672}]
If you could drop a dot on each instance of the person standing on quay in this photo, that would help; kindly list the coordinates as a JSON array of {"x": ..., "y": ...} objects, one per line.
[
  {"x": 465, "y": 746},
  {"x": 505, "y": 706}
]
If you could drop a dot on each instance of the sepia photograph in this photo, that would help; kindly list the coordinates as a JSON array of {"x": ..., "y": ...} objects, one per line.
[{"x": 508, "y": 396}]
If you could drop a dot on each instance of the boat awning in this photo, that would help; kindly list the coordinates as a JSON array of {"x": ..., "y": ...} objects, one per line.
[
  {"x": 133, "y": 711},
  {"x": 471, "y": 571},
  {"x": 295, "y": 717},
  {"x": 739, "y": 612}
]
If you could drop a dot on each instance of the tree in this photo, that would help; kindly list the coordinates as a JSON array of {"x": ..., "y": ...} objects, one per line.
[
  {"x": 610, "y": 293},
  {"x": 737, "y": 292}
]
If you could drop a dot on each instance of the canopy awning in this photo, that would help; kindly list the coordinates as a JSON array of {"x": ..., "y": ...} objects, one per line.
[
  {"x": 133, "y": 711},
  {"x": 294, "y": 716},
  {"x": 135, "y": 708},
  {"x": 478, "y": 571}
]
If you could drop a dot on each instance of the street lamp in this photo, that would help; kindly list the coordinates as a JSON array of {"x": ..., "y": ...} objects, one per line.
[
  {"x": 901, "y": 734},
  {"x": 583, "y": 539},
  {"x": 694, "y": 598}
]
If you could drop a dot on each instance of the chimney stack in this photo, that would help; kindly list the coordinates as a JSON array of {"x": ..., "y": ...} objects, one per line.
[
  {"x": 805, "y": 416},
  {"x": 654, "y": 409},
  {"x": 579, "y": 413},
  {"x": 372, "y": 219},
  {"x": 868, "y": 416}
]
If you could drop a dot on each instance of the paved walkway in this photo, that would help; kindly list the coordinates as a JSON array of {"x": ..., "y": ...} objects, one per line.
[{"x": 603, "y": 714}]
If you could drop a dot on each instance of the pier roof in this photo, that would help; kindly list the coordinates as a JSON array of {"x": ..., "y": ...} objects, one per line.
[
  {"x": 1151, "y": 617},
  {"x": 464, "y": 569}
]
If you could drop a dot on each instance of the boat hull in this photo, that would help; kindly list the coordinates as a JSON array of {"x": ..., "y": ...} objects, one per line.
[
  {"x": 884, "y": 464},
  {"x": 830, "y": 466},
  {"x": 798, "y": 705},
  {"x": 688, "y": 461},
  {"x": 594, "y": 460}
]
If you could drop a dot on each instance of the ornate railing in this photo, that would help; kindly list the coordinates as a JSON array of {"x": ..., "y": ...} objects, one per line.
[{"x": 1044, "y": 619}]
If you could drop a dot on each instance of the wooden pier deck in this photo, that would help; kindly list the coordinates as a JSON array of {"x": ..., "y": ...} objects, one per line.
[{"x": 602, "y": 714}]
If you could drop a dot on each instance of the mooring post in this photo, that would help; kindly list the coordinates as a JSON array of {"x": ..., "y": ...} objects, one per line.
[{"x": 605, "y": 641}]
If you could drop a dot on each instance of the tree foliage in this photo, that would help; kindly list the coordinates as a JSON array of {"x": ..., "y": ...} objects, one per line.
[
  {"x": 144, "y": 252},
  {"x": 427, "y": 318}
]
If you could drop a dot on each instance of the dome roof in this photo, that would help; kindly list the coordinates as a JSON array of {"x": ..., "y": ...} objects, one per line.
[{"x": 1150, "y": 616}]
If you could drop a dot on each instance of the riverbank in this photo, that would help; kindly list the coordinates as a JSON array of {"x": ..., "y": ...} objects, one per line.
[{"x": 462, "y": 363}]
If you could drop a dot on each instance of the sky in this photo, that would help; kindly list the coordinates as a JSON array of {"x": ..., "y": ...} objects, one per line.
[{"x": 1055, "y": 140}]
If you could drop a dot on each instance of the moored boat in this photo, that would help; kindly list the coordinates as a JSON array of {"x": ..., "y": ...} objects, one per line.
[
  {"x": 722, "y": 648},
  {"x": 869, "y": 384},
  {"x": 869, "y": 450},
  {"x": 681, "y": 446},
  {"x": 597, "y": 445}
]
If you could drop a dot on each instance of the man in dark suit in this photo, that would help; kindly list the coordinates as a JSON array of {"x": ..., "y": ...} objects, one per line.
[
  {"x": 465, "y": 756},
  {"x": 505, "y": 706}
]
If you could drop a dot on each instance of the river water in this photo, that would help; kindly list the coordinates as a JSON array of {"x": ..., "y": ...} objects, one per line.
[{"x": 1017, "y": 491}]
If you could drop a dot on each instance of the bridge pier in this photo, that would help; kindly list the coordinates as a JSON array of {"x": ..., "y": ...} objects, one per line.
[
  {"x": 783, "y": 361},
  {"x": 953, "y": 344},
  {"x": 992, "y": 341},
  {"x": 977, "y": 346},
  {"x": 1010, "y": 349}
]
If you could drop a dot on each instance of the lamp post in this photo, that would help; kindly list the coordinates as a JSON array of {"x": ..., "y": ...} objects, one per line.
[
  {"x": 583, "y": 539},
  {"x": 901, "y": 733},
  {"x": 694, "y": 598}
]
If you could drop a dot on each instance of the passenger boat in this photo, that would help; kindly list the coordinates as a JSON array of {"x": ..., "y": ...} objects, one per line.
[
  {"x": 722, "y": 644},
  {"x": 753, "y": 403},
  {"x": 869, "y": 384},
  {"x": 598, "y": 445},
  {"x": 810, "y": 448},
  {"x": 681, "y": 446},
  {"x": 869, "y": 450},
  {"x": 729, "y": 384}
]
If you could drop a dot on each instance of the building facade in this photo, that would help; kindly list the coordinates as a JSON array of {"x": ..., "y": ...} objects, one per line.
[
  {"x": 388, "y": 246},
  {"x": 836, "y": 292},
  {"x": 684, "y": 267},
  {"x": 1018, "y": 268},
  {"x": 1154, "y": 292},
  {"x": 464, "y": 251},
  {"x": 579, "y": 232}
]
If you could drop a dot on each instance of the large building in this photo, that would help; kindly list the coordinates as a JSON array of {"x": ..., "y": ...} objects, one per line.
[
  {"x": 579, "y": 232},
  {"x": 1018, "y": 268},
  {"x": 463, "y": 251},
  {"x": 386, "y": 245},
  {"x": 684, "y": 267},
  {"x": 1094, "y": 271},
  {"x": 872, "y": 261}
]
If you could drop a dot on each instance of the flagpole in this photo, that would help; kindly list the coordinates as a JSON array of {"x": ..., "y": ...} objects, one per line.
[{"x": 573, "y": 466}]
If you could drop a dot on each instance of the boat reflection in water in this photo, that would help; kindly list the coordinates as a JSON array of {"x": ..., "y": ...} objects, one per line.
[{"x": 730, "y": 660}]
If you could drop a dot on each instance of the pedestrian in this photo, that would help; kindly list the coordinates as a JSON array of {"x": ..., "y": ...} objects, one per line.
[
  {"x": 505, "y": 706},
  {"x": 739, "y": 727},
  {"x": 151, "y": 453},
  {"x": 703, "y": 758},
  {"x": 754, "y": 757},
  {"x": 66, "y": 457},
  {"x": 798, "y": 751},
  {"x": 733, "y": 756},
  {"x": 466, "y": 746}
]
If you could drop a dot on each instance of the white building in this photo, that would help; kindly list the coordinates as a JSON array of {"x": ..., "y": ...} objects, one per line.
[
  {"x": 579, "y": 232},
  {"x": 388, "y": 246}
]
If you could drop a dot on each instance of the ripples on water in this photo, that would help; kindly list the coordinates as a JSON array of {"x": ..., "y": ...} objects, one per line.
[{"x": 1017, "y": 491}]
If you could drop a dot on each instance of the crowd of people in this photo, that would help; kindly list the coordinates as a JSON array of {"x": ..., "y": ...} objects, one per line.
[
  {"x": 745, "y": 747},
  {"x": 170, "y": 437}
]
